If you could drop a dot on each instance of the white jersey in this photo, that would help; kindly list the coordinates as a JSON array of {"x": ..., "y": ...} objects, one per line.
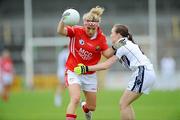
[
  {"x": 143, "y": 77},
  {"x": 62, "y": 57},
  {"x": 131, "y": 56}
]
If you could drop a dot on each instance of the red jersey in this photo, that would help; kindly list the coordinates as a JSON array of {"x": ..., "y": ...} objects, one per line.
[
  {"x": 83, "y": 49},
  {"x": 6, "y": 66}
]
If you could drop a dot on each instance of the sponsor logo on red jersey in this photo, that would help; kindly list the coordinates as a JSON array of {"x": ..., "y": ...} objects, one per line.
[{"x": 85, "y": 55}]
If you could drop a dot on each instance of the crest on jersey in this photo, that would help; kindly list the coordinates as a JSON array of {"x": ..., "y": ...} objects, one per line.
[
  {"x": 97, "y": 47},
  {"x": 81, "y": 42}
]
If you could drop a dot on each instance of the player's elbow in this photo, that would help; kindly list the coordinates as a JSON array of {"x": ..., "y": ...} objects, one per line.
[{"x": 62, "y": 32}]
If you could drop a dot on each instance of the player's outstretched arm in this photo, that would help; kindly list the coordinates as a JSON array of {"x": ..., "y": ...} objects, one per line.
[
  {"x": 108, "y": 52},
  {"x": 103, "y": 66},
  {"x": 82, "y": 69}
]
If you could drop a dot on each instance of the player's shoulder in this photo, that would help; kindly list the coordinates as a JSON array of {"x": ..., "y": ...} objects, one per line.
[
  {"x": 101, "y": 35},
  {"x": 129, "y": 43},
  {"x": 100, "y": 32}
]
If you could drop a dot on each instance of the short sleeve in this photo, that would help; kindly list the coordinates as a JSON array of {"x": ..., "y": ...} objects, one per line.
[
  {"x": 70, "y": 31},
  {"x": 104, "y": 44}
]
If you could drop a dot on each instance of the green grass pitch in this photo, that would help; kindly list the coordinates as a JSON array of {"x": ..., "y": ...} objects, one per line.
[{"x": 39, "y": 105}]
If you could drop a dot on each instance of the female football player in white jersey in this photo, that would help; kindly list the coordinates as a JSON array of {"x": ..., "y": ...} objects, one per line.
[{"x": 131, "y": 56}]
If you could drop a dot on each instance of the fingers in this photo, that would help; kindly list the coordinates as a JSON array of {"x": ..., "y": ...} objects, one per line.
[
  {"x": 81, "y": 69},
  {"x": 65, "y": 16},
  {"x": 119, "y": 43},
  {"x": 80, "y": 64},
  {"x": 77, "y": 70}
]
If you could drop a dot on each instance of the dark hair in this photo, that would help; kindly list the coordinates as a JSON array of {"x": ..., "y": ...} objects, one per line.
[{"x": 123, "y": 30}]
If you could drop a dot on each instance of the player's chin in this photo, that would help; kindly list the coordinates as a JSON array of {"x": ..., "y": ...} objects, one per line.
[
  {"x": 113, "y": 42},
  {"x": 90, "y": 35}
]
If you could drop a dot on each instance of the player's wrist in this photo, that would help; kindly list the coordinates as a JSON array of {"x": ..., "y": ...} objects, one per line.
[
  {"x": 87, "y": 69},
  {"x": 114, "y": 48}
]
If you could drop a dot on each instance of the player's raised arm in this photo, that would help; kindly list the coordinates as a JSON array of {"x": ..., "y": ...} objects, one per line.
[
  {"x": 70, "y": 17},
  {"x": 61, "y": 28}
]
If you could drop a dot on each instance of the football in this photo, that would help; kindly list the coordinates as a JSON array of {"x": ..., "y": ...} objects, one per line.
[{"x": 71, "y": 17}]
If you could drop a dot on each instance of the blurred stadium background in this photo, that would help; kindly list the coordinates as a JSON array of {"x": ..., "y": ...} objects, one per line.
[{"x": 28, "y": 30}]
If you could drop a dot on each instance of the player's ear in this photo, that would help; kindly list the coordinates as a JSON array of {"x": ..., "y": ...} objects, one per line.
[{"x": 118, "y": 36}]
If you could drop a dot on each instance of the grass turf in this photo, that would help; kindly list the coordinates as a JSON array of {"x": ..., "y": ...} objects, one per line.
[{"x": 39, "y": 105}]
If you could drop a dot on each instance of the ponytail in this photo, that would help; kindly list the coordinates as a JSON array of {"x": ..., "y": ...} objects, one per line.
[
  {"x": 94, "y": 15},
  {"x": 123, "y": 30},
  {"x": 130, "y": 38}
]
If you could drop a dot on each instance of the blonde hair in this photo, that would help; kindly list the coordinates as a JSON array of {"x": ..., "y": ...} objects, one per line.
[{"x": 94, "y": 15}]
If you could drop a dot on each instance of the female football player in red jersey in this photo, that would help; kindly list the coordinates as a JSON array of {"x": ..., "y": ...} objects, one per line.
[
  {"x": 87, "y": 43},
  {"x": 131, "y": 57},
  {"x": 6, "y": 73}
]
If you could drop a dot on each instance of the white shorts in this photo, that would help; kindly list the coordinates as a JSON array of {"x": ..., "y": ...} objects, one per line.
[
  {"x": 142, "y": 80},
  {"x": 7, "y": 79},
  {"x": 87, "y": 82}
]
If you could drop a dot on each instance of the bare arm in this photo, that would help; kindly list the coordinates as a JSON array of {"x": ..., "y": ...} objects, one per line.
[
  {"x": 105, "y": 65},
  {"x": 61, "y": 28},
  {"x": 108, "y": 53}
]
